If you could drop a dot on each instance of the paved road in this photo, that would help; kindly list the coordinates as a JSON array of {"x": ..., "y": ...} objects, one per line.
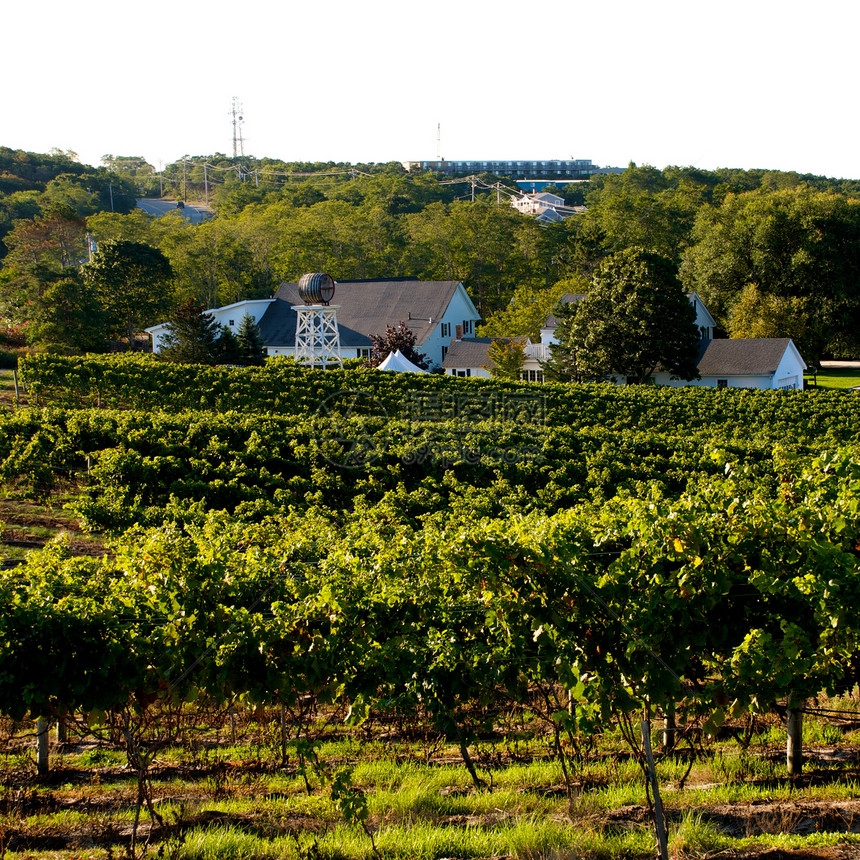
[{"x": 157, "y": 207}]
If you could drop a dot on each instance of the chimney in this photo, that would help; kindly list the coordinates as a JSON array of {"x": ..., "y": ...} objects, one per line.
[{"x": 458, "y": 332}]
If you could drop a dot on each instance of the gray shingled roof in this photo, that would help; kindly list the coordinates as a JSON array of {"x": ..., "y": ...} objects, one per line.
[
  {"x": 566, "y": 299},
  {"x": 366, "y": 308},
  {"x": 471, "y": 352},
  {"x": 742, "y": 356}
]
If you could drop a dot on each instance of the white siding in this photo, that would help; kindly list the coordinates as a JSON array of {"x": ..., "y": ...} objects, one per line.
[
  {"x": 480, "y": 372},
  {"x": 459, "y": 309},
  {"x": 762, "y": 382},
  {"x": 223, "y": 316}
]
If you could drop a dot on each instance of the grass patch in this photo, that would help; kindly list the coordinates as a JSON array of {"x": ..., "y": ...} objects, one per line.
[
  {"x": 840, "y": 378},
  {"x": 234, "y": 805}
]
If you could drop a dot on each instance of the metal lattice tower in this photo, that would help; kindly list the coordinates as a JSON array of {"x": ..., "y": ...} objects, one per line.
[
  {"x": 317, "y": 334},
  {"x": 238, "y": 119}
]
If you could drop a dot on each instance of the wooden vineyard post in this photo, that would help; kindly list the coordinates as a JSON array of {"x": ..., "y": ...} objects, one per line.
[
  {"x": 670, "y": 728},
  {"x": 659, "y": 823},
  {"x": 794, "y": 739},
  {"x": 42, "y": 765},
  {"x": 17, "y": 393}
]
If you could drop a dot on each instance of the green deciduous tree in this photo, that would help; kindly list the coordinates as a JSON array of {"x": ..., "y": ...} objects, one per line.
[
  {"x": 137, "y": 169},
  {"x": 757, "y": 314},
  {"x": 529, "y": 308},
  {"x": 507, "y": 357},
  {"x": 66, "y": 316},
  {"x": 643, "y": 207},
  {"x": 791, "y": 243},
  {"x": 136, "y": 226},
  {"x": 492, "y": 249},
  {"x": 55, "y": 240},
  {"x": 334, "y": 236},
  {"x": 131, "y": 282},
  {"x": 634, "y": 320}
]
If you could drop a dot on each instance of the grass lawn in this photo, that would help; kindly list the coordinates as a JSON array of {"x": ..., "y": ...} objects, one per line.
[{"x": 835, "y": 377}]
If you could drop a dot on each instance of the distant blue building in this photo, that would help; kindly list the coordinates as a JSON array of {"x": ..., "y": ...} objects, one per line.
[
  {"x": 536, "y": 186},
  {"x": 578, "y": 168}
]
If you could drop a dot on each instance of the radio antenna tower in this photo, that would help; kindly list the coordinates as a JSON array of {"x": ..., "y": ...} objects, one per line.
[
  {"x": 438, "y": 141},
  {"x": 238, "y": 119}
]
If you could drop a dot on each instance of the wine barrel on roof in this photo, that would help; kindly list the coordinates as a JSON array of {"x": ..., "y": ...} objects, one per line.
[{"x": 316, "y": 288}]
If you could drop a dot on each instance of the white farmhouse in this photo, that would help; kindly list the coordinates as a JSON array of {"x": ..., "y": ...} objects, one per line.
[
  {"x": 773, "y": 363},
  {"x": 433, "y": 310},
  {"x": 534, "y": 204},
  {"x": 545, "y": 207}
]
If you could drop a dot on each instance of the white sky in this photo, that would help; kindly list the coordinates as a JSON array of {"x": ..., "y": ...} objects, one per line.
[{"x": 758, "y": 83}]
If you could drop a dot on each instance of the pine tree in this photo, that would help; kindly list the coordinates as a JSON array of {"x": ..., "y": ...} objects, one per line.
[
  {"x": 252, "y": 350},
  {"x": 227, "y": 347},
  {"x": 191, "y": 336}
]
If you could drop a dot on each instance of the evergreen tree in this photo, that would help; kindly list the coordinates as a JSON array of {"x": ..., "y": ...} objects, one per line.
[
  {"x": 252, "y": 350},
  {"x": 227, "y": 349},
  {"x": 191, "y": 336}
]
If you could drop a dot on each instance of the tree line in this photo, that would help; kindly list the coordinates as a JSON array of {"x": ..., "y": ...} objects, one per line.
[{"x": 770, "y": 253}]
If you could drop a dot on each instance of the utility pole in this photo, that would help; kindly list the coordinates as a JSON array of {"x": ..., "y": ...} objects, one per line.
[
  {"x": 184, "y": 181},
  {"x": 206, "y": 182}
]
